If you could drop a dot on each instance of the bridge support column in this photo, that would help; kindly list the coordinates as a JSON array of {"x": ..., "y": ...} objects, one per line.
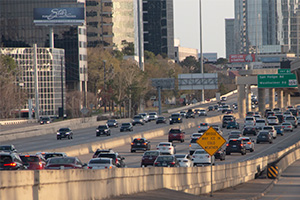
[
  {"x": 261, "y": 101},
  {"x": 248, "y": 97},
  {"x": 279, "y": 98},
  {"x": 241, "y": 100},
  {"x": 287, "y": 99},
  {"x": 271, "y": 98}
]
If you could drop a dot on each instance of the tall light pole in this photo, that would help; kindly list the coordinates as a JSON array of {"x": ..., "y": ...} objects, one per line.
[
  {"x": 201, "y": 53},
  {"x": 104, "y": 85}
]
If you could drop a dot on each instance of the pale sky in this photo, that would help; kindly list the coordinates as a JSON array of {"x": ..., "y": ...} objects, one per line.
[{"x": 187, "y": 28}]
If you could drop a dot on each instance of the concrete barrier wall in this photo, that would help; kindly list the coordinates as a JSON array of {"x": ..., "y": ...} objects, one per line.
[{"x": 101, "y": 184}]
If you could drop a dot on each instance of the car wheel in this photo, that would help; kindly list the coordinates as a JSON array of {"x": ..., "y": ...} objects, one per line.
[
  {"x": 72, "y": 137},
  {"x": 58, "y": 138},
  {"x": 251, "y": 150},
  {"x": 291, "y": 130},
  {"x": 257, "y": 142},
  {"x": 69, "y": 137},
  {"x": 132, "y": 151},
  {"x": 271, "y": 142},
  {"x": 227, "y": 153},
  {"x": 296, "y": 126}
]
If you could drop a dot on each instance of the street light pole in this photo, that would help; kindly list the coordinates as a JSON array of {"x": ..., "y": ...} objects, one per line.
[
  {"x": 104, "y": 85},
  {"x": 201, "y": 52}
]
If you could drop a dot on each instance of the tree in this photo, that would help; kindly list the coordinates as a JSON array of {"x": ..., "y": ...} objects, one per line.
[{"x": 222, "y": 61}]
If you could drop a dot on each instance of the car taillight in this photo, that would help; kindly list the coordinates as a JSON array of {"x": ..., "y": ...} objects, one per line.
[
  {"x": 289, "y": 126},
  {"x": 227, "y": 145},
  {"x": 156, "y": 163},
  {"x": 172, "y": 163},
  {"x": 190, "y": 145},
  {"x": 194, "y": 156},
  {"x": 198, "y": 126},
  {"x": 170, "y": 148},
  {"x": 13, "y": 164},
  {"x": 241, "y": 145},
  {"x": 117, "y": 161},
  {"x": 157, "y": 148},
  {"x": 41, "y": 165},
  {"x": 248, "y": 142},
  {"x": 145, "y": 143},
  {"x": 90, "y": 167},
  {"x": 207, "y": 156},
  {"x": 131, "y": 143}
]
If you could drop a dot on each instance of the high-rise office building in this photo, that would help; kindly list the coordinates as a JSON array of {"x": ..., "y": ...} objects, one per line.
[
  {"x": 229, "y": 35},
  {"x": 260, "y": 23},
  {"x": 18, "y": 30},
  {"x": 158, "y": 23}
]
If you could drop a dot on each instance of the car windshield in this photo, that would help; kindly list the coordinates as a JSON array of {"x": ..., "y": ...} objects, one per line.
[
  {"x": 175, "y": 115},
  {"x": 62, "y": 160},
  {"x": 111, "y": 120},
  {"x": 175, "y": 131},
  {"x": 165, "y": 158},
  {"x": 286, "y": 124},
  {"x": 53, "y": 155},
  {"x": 235, "y": 132},
  {"x": 100, "y": 161},
  {"x": 30, "y": 159},
  {"x": 249, "y": 119},
  {"x": 164, "y": 144},
  {"x": 64, "y": 129},
  {"x": 137, "y": 117},
  {"x": 289, "y": 118},
  {"x": 161, "y": 118},
  {"x": 180, "y": 156},
  {"x": 4, "y": 159},
  {"x": 139, "y": 140},
  {"x": 151, "y": 153},
  {"x": 194, "y": 140},
  {"x": 45, "y": 119},
  {"x": 107, "y": 155},
  {"x": 203, "y": 124},
  {"x": 234, "y": 142},
  {"x": 264, "y": 133},
  {"x": 272, "y": 117},
  {"x": 246, "y": 139},
  {"x": 126, "y": 124},
  {"x": 102, "y": 127},
  {"x": 4, "y": 148},
  {"x": 268, "y": 128},
  {"x": 260, "y": 121},
  {"x": 152, "y": 113},
  {"x": 199, "y": 152}
]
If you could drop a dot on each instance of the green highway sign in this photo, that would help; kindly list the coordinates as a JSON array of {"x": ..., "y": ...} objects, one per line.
[
  {"x": 284, "y": 71},
  {"x": 276, "y": 80}
]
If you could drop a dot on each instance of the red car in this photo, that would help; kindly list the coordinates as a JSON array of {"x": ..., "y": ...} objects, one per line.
[
  {"x": 149, "y": 157},
  {"x": 176, "y": 134},
  {"x": 64, "y": 163},
  {"x": 33, "y": 162}
]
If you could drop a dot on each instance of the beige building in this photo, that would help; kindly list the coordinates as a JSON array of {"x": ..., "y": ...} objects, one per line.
[
  {"x": 182, "y": 52},
  {"x": 110, "y": 22}
]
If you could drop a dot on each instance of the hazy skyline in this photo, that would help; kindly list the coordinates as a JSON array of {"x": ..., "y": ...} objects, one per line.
[{"x": 187, "y": 26}]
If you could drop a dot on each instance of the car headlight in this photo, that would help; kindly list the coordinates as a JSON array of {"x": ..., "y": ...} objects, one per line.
[
  {"x": 67, "y": 133},
  {"x": 97, "y": 130},
  {"x": 58, "y": 133}
]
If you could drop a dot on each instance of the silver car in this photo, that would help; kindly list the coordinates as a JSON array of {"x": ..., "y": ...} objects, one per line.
[
  {"x": 184, "y": 160},
  {"x": 287, "y": 126},
  {"x": 292, "y": 119},
  {"x": 101, "y": 163},
  {"x": 249, "y": 144}
]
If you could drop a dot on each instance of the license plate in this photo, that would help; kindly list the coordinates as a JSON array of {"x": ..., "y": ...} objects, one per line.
[
  {"x": 174, "y": 134},
  {"x": 233, "y": 145},
  {"x": 164, "y": 148},
  {"x": 138, "y": 144},
  {"x": 263, "y": 136},
  {"x": 164, "y": 164},
  {"x": 200, "y": 157}
]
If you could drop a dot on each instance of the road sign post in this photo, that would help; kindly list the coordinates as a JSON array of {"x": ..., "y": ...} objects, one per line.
[{"x": 211, "y": 141}]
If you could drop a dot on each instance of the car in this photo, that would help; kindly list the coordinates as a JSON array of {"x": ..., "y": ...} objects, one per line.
[
  {"x": 48, "y": 155},
  {"x": 161, "y": 120},
  {"x": 126, "y": 127},
  {"x": 223, "y": 98},
  {"x": 152, "y": 116},
  {"x": 196, "y": 111},
  {"x": 196, "y": 135},
  {"x": 264, "y": 136},
  {"x": 64, "y": 133},
  {"x": 298, "y": 119},
  {"x": 145, "y": 117},
  {"x": 294, "y": 112},
  {"x": 287, "y": 113},
  {"x": 276, "y": 110},
  {"x": 176, "y": 135},
  {"x": 292, "y": 119},
  {"x": 10, "y": 161},
  {"x": 166, "y": 148},
  {"x": 280, "y": 118},
  {"x": 64, "y": 163},
  {"x": 234, "y": 106},
  {"x": 8, "y": 148},
  {"x": 202, "y": 112},
  {"x": 223, "y": 107},
  {"x": 166, "y": 161},
  {"x": 266, "y": 111},
  {"x": 235, "y": 133},
  {"x": 98, "y": 151},
  {"x": 117, "y": 159},
  {"x": 140, "y": 144},
  {"x": 233, "y": 124},
  {"x": 193, "y": 146},
  {"x": 248, "y": 142},
  {"x": 235, "y": 146},
  {"x": 45, "y": 120},
  {"x": 216, "y": 107},
  {"x": 33, "y": 162},
  {"x": 112, "y": 123},
  {"x": 279, "y": 129},
  {"x": 211, "y": 108},
  {"x": 226, "y": 119},
  {"x": 200, "y": 156},
  {"x": 103, "y": 130},
  {"x": 184, "y": 160},
  {"x": 182, "y": 114},
  {"x": 260, "y": 123},
  {"x": 203, "y": 127},
  {"x": 220, "y": 154},
  {"x": 257, "y": 116},
  {"x": 227, "y": 111},
  {"x": 272, "y": 130},
  {"x": 249, "y": 130},
  {"x": 175, "y": 118},
  {"x": 272, "y": 120},
  {"x": 250, "y": 114},
  {"x": 249, "y": 121},
  {"x": 190, "y": 114},
  {"x": 218, "y": 129},
  {"x": 138, "y": 119},
  {"x": 149, "y": 157},
  {"x": 270, "y": 113},
  {"x": 287, "y": 126},
  {"x": 101, "y": 163}
]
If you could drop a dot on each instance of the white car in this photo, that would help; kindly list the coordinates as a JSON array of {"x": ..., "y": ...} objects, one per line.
[
  {"x": 145, "y": 116},
  {"x": 184, "y": 160},
  {"x": 272, "y": 120},
  {"x": 196, "y": 135},
  {"x": 202, "y": 112},
  {"x": 166, "y": 148},
  {"x": 200, "y": 156},
  {"x": 272, "y": 130},
  {"x": 298, "y": 119},
  {"x": 287, "y": 126},
  {"x": 101, "y": 163},
  {"x": 249, "y": 144},
  {"x": 287, "y": 113},
  {"x": 193, "y": 146},
  {"x": 153, "y": 116},
  {"x": 249, "y": 121},
  {"x": 203, "y": 127},
  {"x": 260, "y": 123}
]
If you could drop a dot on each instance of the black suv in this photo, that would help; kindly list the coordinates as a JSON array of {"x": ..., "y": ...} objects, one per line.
[
  {"x": 190, "y": 114},
  {"x": 140, "y": 144},
  {"x": 64, "y": 133},
  {"x": 175, "y": 118},
  {"x": 102, "y": 130},
  {"x": 10, "y": 161},
  {"x": 235, "y": 146},
  {"x": 117, "y": 159},
  {"x": 226, "y": 119},
  {"x": 98, "y": 151}
]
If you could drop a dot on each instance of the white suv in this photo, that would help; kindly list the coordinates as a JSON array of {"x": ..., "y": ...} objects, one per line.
[
  {"x": 249, "y": 121},
  {"x": 166, "y": 148},
  {"x": 260, "y": 123}
]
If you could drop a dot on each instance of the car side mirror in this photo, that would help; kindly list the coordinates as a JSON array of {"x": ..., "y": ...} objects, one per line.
[{"x": 122, "y": 158}]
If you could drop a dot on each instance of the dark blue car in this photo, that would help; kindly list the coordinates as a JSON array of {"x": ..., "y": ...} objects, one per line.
[{"x": 233, "y": 124}]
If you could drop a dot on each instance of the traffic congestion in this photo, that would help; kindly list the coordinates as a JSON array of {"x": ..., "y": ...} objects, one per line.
[{"x": 179, "y": 148}]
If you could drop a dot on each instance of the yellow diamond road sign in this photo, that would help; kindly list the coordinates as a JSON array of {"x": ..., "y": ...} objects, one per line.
[{"x": 211, "y": 141}]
